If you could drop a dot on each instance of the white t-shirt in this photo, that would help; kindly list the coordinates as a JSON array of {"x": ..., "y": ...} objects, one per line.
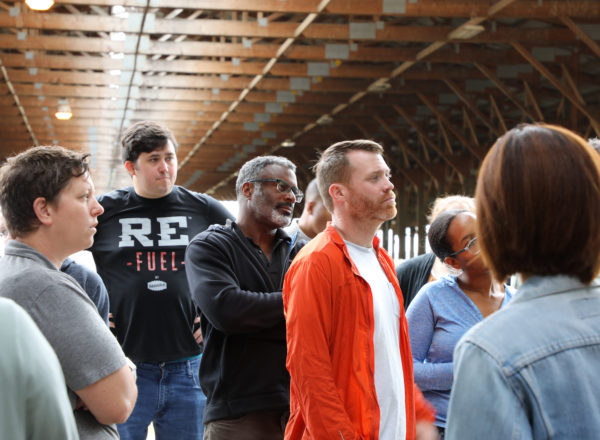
[{"x": 389, "y": 377}]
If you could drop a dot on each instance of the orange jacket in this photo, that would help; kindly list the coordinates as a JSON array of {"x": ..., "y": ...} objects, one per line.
[{"x": 329, "y": 320}]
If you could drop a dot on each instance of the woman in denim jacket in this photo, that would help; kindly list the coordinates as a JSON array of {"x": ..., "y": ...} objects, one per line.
[{"x": 530, "y": 371}]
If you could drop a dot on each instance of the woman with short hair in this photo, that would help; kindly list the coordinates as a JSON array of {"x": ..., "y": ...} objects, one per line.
[{"x": 530, "y": 371}]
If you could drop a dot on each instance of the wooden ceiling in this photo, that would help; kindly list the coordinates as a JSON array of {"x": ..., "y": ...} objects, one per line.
[{"x": 434, "y": 81}]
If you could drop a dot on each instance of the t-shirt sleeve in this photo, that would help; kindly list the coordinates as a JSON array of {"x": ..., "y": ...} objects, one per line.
[
  {"x": 85, "y": 347},
  {"x": 97, "y": 291},
  {"x": 218, "y": 213}
]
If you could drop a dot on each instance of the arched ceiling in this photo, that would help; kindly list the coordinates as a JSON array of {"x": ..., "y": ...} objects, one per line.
[{"x": 435, "y": 81}]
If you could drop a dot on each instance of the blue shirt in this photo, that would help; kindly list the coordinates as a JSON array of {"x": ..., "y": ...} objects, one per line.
[
  {"x": 530, "y": 371},
  {"x": 437, "y": 318},
  {"x": 91, "y": 283}
]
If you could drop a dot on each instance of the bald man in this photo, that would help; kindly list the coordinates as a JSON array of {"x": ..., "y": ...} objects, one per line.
[{"x": 314, "y": 217}]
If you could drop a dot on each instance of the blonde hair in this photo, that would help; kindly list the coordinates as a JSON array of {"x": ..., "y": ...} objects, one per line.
[{"x": 446, "y": 203}]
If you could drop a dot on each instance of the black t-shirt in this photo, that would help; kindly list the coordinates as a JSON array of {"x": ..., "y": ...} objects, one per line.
[
  {"x": 414, "y": 274},
  {"x": 139, "y": 251}
]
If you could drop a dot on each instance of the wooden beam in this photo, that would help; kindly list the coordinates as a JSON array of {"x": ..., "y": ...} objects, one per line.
[
  {"x": 298, "y": 31},
  {"x": 498, "y": 113},
  {"x": 556, "y": 83},
  {"x": 571, "y": 83},
  {"x": 447, "y": 8},
  {"x": 498, "y": 83},
  {"x": 471, "y": 106},
  {"x": 426, "y": 139},
  {"x": 404, "y": 146},
  {"x": 469, "y": 124},
  {"x": 20, "y": 108},
  {"x": 404, "y": 171},
  {"x": 449, "y": 125},
  {"x": 579, "y": 33},
  {"x": 366, "y": 135},
  {"x": 445, "y": 137},
  {"x": 424, "y": 148},
  {"x": 283, "y": 30},
  {"x": 363, "y": 52},
  {"x": 533, "y": 101}
]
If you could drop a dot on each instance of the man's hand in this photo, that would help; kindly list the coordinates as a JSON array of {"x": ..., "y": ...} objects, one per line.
[
  {"x": 427, "y": 431},
  {"x": 198, "y": 333},
  {"x": 111, "y": 321}
]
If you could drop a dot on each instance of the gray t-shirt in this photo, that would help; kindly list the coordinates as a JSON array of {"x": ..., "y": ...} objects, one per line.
[{"x": 85, "y": 347}]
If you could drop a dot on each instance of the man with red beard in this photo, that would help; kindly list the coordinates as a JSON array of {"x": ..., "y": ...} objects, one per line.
[
  {"x": 235, "y": 273},
  {"x": 348, "y": 348}
]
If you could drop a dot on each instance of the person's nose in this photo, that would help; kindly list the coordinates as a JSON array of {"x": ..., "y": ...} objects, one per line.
[
  {"x": 96, "y": 209},
  {"x": 290, "y": 196},
  {"x": 163, "y": 166},
  {"x": 389, "y": 185}
]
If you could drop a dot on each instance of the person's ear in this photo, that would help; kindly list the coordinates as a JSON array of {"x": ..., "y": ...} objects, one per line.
[
  {"x": 453, "y": 263},
  {"x": 130, "y": 167},
  {"x": 43, "y": 210},
  {"x": 310, "y": 206},
  {"x": 248, "y": 189},
  {"x": 337, "y": 192}
]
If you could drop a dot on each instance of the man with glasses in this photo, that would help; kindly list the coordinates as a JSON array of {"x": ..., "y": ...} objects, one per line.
[{"x": 235, "y": 273}]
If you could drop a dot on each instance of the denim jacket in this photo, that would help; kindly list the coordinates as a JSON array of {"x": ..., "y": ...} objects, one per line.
[{"x": 532, "y": 369}]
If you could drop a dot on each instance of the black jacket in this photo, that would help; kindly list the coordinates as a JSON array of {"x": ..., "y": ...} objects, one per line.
[
  {"x": 414, "y": 274},
  {"x": 243, "y": 365}
]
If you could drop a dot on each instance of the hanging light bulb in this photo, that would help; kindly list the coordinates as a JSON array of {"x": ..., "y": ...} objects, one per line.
[
  {"x": 39, "y": 5},
  {"x": 64, "y": 112}
]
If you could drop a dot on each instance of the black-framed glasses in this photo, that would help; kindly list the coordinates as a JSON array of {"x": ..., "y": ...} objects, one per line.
[
  {"x": 472, "y": 246},
  {"x": 283, "y": 187}
]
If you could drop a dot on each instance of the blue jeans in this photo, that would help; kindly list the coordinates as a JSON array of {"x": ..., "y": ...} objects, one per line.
[{"x": 169, "y": 395}]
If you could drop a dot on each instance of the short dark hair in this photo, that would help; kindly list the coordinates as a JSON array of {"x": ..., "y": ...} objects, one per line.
[
  {"x": 37, "y": 172},
  {"x": 333, "y": 165},
  {"x": 438, "y": 233},
  {"x": 145, "y": 137},
  {"x": 538, "y": 204}
]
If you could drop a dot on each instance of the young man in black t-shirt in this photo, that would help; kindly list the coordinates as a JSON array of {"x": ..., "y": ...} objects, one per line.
[{"x": 139, "y": 252}]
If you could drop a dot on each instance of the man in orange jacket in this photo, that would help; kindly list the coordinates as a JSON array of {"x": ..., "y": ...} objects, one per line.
[{"x": 348, "y": 348}]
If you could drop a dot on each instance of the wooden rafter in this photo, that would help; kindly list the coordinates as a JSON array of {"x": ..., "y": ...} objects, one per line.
[
  {"x": 498, "y": 83},
  {"x": 444, "y": 120},
  {"x": 236, "y": 78},
  {"x": 556, "y": 83},
  {"x": 498, "y": 113},
  {"x": 423, "y": 135},
  {"x": 402, "y": 144},
  {"x": 471, "y": 106}
]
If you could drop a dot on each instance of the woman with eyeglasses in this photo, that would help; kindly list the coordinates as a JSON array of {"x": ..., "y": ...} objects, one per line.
[{"x": 445, "y": 309}]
